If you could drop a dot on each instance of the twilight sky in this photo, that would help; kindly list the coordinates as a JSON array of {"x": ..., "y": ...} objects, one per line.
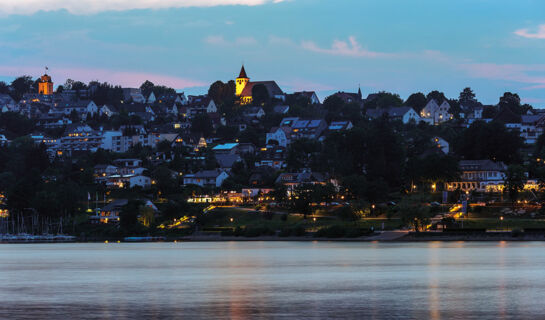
[{"x": 400, "y": 46}]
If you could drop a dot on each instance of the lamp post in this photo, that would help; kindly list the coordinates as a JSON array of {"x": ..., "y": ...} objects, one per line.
[{"x": 501, "y": 222}]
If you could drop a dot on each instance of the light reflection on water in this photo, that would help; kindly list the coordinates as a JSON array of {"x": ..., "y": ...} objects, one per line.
[{"x": 244, "y": 280}]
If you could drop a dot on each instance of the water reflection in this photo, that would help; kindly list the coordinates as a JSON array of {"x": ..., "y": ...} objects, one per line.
[{"x": 245, "y": 280}]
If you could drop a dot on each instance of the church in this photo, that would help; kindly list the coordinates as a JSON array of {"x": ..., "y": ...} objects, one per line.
[{"x": 244, "y": 88}]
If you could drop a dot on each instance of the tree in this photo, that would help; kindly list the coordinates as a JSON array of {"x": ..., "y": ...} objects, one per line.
[
  {"x": 260, "y": 94},
  {"x": 4, "y": 88},
  {"x": 417, "y": 101},
  {"x": 467, "y": 96},
  {"x": 384, "y": 100},
  {"x": 489, "y": 141},
  {"x": 438, "y": 96},
  {"x": 20, "y": 86},
  {"x": 128, "y": 217},
  {"x": 301, "y": 197},
  {"x": 515, "y": 179},
  {"x": 147, "y": 88},
  {"x": 202, "y": 124}
]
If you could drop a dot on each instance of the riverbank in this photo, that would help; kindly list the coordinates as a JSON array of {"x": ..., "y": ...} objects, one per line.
[{"x": 385, "y": 236}]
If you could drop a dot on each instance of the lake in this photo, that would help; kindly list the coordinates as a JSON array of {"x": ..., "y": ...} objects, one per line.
[{"x": 266, "y": 280}]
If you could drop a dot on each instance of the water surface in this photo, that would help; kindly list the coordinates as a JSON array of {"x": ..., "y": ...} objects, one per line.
[{"x": 249, "y": 280}]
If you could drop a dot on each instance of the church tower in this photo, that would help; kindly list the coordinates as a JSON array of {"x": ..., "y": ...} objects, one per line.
[
  {"x": 45, "y": 85},
  {"x": 241, "y": 82}
]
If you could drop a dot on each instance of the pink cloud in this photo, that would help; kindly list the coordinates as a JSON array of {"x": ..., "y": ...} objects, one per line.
[
  {"x": 508, "y": 72},
  {"x": 526, "y": 33},
  {"x": 122, "y": 78},
  {"x": 350, "y": 48}
]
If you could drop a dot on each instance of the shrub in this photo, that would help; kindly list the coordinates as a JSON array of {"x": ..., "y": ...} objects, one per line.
[{"x": 334, "y": 231}]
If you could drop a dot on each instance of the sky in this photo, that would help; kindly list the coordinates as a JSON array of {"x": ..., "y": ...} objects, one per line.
[{"x": 400, "y": 46}]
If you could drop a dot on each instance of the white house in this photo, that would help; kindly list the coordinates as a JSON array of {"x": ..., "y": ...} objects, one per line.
[
  {"x": 404, "y": 114},
  {"x": 254, "y": 112},
  {"x": 151, "y": 98},
  {"x": 480, "y": 175},
  {"x": 436, "y": 114},
  {"x": 107, "y": 110},
  {"x": 206, "y": 178},
  {"x": 311, "y": 95},
  {"x": 279, "y": 134},
  {"x": 140, "y": 181}
]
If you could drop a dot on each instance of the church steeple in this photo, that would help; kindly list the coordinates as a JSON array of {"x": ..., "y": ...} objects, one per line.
[
  {"x": 359, "y": 92},
  {"x": 242, "y": 73},
  {"x": 241, "y": 82}
]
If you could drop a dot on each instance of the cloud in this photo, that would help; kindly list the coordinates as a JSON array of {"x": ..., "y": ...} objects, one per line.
[
  {"x": 221, "y": 41},
  {"x": 532, "y": 75},
  {"x": 215, "y": 40},
  {"x": 526, "y": 33},
  {"x": 94, "y": 6},
  {"x": 350, "y": 48},
  {"x": 115, "y": 77}
]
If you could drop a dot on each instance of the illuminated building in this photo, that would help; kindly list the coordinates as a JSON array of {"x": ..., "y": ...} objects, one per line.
[
  {"x": 243, "y": 88},
  {"x": 45, "y": 85}
]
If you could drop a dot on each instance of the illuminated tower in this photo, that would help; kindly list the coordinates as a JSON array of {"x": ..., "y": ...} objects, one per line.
[
  {"x": 241, "y": 81},
  {"x": 45, "y": 86}
]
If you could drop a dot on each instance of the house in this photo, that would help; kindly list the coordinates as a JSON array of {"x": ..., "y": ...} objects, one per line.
[
  {"x": 128, "y": 163},
  {"x": 279, "y": 134},
  {"x": 206, "y": 178},
  {"x": 340, "y": 125},
  {"x": 479, "y": 175},
  {"x": 104, "y": 170},
  {"x": 151, "y": 98},
  {"x": 198, "y": 105},
  {"x": 81, "y": 107},
  {"x": 272, "y": 156},
  {"x": 226, "y": 148},
  {"x": 532, "y": 127},
  {"x": 244, "y": 87},
  {"x": 226, "y": 161},
  {"x": 308, "y": 128},
  {"x": 110, "y": 213},
  {"x": 7, "y": 103},
  {"x": 281, "y": 109},
  {"x": 139, "y": 181},
  {"x": 78, "y": 138},
  {"x": 3, "y": 140},
  {"x": 349, "y": 97},
  {"x": 108, "y": 111},
  {"x": 180, "y": 98},
  {"x": 133, "y": 95},
  {"x": 403, "y": 114},
  {"x": 435, "y": 114},
  {"x": 294, "y": 179},
  {"x": 254, "y": 112},
  {"x": 310, "y": 95}
]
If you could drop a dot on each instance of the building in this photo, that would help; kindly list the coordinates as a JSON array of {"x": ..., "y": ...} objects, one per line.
[
  {"x": 279, "y": 134},
  {"x": 310, "y": 95},
  {"x": 340, "y": 125},
  {"x": 45, "y": 85},
  {"x": 403, "y": 114},
  {"x": 243, "y": 88},
  {"x": 435, "y": 114},
  {"x": 479, "y": 175},
  {"x": 206, "y": 178}
]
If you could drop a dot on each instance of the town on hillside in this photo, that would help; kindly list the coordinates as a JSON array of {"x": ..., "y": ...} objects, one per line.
[{"x": 246, "y": 159}]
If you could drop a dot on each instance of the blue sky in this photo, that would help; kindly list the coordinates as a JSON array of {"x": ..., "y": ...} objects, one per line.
[{"x": 400, "y": 46}]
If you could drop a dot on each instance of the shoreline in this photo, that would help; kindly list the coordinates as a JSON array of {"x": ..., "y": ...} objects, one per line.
[{"x": 406, "y": 237}]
